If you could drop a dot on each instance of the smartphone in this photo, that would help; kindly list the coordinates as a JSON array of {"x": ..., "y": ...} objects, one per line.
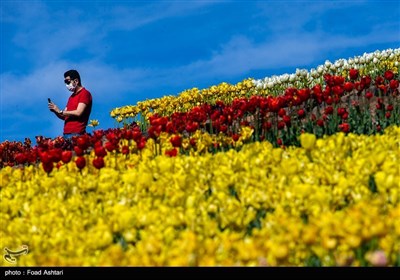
[{"x": 49, "y": 100}]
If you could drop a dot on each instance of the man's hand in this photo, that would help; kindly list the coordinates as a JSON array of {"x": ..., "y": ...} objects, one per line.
[{"x": 53, "y": 107}]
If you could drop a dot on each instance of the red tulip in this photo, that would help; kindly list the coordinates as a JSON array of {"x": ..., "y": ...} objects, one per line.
[
  {"x": 98, "y": 162},
  {"x": 127, "y": 134},
  {"x": 267, "y": 125},
  {"x": 304, "y": 94},
  {"x": 301, "y": 113},
  {"x": 329, "y": 100},
  {"x": 287, "y": 120},
  {"x": 141, "y": 144},
  {"x": 338, "y": 90},
  {"x": 20, "y": 158},
  {"x": 110, "y": 146},
  {"x": 111, "y": 137},
  {"x": 192, "y": 127},
  {"x": 98, "y": 134},
  {"x": 379, "y": 80},
  {"x": 388, "y": 75},
  {"x": 176, "y": 141},
  {"x": 341, "y": 111},
  {"x": 223, "y": 128},
  {"x": 345, "y": 127},
  {"x": 83, "y": 142},
  {"x": 281, "y": 112},
  {"x": 44, "y": 157},
  {"x": 125, "y": 150},
  {"x": 80, "y": 162},
  {"x": 366, "y": 80},
  {"x": 394, "y": 84},
  {"x": 328, "y": 110},
  {"x": 66, "y": 156},
  {"x": 100, "y": 151},
  {"x": 55, "y": 154},
  {"x": 338, "y": 80},
  {"x": 78, "y": 151},
  {"x": 368, "y": 95},
  {"x": 348, "y": 86},
  {"x": 172, "y": 153},
  {"x": 353, "y": 73},
  {"x": 274, "y": 104},
  {"x": 136, "y": 135},
  {"x": 47, "y": 166}
]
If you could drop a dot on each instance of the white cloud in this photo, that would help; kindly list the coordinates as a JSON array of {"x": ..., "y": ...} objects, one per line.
[
  {"x": 107, "y": 82},
  {"x": 241, "y": 55},
  {"x": 131, "y": 15}
]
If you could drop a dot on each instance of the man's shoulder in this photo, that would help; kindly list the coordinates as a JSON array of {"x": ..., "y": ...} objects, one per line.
[{"x": 85, "y": 92}]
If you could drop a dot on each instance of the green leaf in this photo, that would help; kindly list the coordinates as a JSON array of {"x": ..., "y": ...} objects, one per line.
[
  {"x": 313, "y": 261},
  {"x": 256, "y": 223},
  {"x": 233, "y": 192},
  {"x": 372, "y": 184},
  {"x": 119, "y": 239},
  {"x": 397, "y": 262}
]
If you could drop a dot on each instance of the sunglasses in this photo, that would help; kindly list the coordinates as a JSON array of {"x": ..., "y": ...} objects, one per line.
[{"x": 67, "y": 81}]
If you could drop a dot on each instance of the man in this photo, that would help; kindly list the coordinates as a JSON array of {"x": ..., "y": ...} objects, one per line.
[{"x": 79, "y": 106}]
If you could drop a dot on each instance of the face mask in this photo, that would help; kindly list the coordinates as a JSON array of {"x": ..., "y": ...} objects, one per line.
[{"x": 70, "y": 87}]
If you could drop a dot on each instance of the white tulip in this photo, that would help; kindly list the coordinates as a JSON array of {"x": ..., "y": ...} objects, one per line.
[
  {"x": 315, "y": 74},
  {"x": 328, "y": 64},
  {"x": 377, "y": 53},
  {"x": 385, "y": 55}
]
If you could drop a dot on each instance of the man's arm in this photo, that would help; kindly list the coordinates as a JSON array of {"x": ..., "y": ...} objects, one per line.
[
  {"x": 60, "y": 116},
  {"x": 54, "y": 108},
  {"x": 77, "y": 113}
]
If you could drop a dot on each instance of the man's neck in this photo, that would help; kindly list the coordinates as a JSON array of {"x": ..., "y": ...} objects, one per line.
[{"x": 78, "y": 89}]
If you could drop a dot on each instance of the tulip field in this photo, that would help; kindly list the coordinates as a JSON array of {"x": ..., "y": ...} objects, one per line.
[{"x": 300, "y": 169}]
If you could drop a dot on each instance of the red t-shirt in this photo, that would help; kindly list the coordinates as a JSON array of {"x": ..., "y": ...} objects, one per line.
[{"x": 73, "y": 124}]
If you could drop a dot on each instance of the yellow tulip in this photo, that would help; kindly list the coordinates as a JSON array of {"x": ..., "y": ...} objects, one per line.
[{"x": 307, "y": 141}]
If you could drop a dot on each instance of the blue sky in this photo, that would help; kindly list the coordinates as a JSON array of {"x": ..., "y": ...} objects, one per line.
[{"x": 129, "y": 51}]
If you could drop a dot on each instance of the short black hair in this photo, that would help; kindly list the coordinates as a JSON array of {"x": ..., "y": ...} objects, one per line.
[{"x": 73, "y": 74}]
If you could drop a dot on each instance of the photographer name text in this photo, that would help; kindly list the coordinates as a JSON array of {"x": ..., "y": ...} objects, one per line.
[{"x": 33, "y": 272}]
